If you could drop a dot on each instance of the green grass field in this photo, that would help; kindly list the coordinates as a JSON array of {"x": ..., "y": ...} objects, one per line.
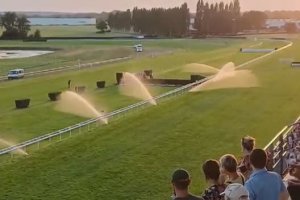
[
  {"x": 133, "y": 157},
  {"x": 71, "y": 31},
  {"x": 109, "y": 99}
]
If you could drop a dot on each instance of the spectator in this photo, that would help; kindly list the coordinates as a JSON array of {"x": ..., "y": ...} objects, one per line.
[
  {"x": 264, "y": 185},
  {"x": 228, "y": 166},
  {"x": 236, "y": 191},
  {"x": 211, "y": 169},
  {"x": 294, "y": 182},
  {"x": 291, "y": 156},
  {"x": 248, "y": 144},
  {"x": 181, "y": 181},
  {"x": 290, "y": 141},
  {"x": 69, "y": 84}
]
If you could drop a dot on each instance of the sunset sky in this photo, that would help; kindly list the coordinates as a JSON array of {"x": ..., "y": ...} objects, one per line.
[{"x": 104, "y": 5}]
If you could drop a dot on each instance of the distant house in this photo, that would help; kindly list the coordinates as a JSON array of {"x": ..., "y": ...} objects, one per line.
[
  {"x": 192, "y": 23},
  {"x": 192, "y": 31},
  {"x": 279, "y": 24},
  {"x": 275, "y": 23}
]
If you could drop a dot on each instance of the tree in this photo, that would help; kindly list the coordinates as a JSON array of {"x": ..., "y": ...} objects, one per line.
[
  {"x": 37, "y": 34},
  {"x": 8, "y": 21},
  {"x": 102, "y": 26},
  {"x": 185, "y": 18},
  {"x": 253, "y": 20},
  {"x": 217, "y": 18},
  {"x": 173, "y": 22},
  {"x": 199, "y": 17},
  {"x": 120, "y": 20},
  {"x": 16, "y": 27},
  {"x": 23, "y": 26}
]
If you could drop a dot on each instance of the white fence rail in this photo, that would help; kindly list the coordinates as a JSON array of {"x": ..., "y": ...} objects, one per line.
[
  {"x": 278, "y": 149},
  {"x": 88, "y": 123},
  {"x": 73, "y": 67}
]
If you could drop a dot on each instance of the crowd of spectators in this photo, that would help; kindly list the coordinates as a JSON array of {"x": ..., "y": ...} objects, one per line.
[
  {"x": 293, "y": 161},
  {"x": 293, "y": 147},
  {"x": 250, "y": 178}
]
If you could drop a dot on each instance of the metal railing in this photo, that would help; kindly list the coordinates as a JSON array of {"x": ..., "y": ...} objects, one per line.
[
  {"x": 108, "y": 116},
  {"x": 277, "y": 149},
  {"x": 72, "y": 67}
]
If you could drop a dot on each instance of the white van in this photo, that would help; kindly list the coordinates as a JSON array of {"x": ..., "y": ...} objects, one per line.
[
  {"x": 138, "y": 48},
  {"x": 15, "y": 74}
]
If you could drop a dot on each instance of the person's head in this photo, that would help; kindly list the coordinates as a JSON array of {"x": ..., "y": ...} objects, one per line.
[
  {"x": 228, "y": 164},
  {"x": 248, "y": 143},
  {"x": 258, "y": 158},
  {"x": 235, "y": 191},
  {"x": 294, "y": 169},
  {"x": 181, "y": 179},
  {"x": 211, "y": 170}
]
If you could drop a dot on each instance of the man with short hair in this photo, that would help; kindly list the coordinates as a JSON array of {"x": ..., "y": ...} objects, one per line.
[
  {"x": 262, "y": 184},
  {"x": 181, "y": 181}
]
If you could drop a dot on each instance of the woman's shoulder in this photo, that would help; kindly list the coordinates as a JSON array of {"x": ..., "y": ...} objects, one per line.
[{"x": 213, "y": 192}]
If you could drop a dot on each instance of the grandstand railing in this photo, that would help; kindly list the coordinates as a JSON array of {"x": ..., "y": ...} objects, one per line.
[
  {"x": 97, "y": 121},
  {"x": 277, "y": 149}
]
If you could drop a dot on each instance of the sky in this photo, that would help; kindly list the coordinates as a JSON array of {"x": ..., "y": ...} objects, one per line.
[{"x": 109, "y": 5}]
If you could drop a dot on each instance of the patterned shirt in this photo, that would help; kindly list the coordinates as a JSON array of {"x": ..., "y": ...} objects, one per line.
[{"x": 213, "y": 192}]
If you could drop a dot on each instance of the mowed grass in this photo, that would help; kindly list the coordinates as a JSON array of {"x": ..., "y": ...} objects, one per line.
[
  {"x": 65, "y": 53},
  {"x": 42, "y": 117},
  {"x": 134, "y": 157},
  {"x": 74, "y": 31},
  {"x": 73, "y": 52},
  {"x": 78, "y": 31}
]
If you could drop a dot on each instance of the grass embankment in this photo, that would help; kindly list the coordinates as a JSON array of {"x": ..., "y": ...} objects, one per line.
[{"x": 133, "y": 158}]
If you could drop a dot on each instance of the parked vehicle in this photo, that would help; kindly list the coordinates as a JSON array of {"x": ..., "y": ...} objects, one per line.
[
  {"x": 15, "y": 74},
  {"x": 138, "y": 47}
]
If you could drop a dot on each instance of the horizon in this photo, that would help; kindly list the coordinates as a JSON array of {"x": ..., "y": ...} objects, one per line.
[
  {"x": 93, "y": 6},
  {"x": 94, "y": 12}
]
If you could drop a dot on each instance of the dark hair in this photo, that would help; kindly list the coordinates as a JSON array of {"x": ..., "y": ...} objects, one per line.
[
  {"x": 182, "y": 185},
  {"x": 211, "y": 169},
  {"x": 248, "y": 143},
  {"x": 229, "y": 163},
  {"x": 258, "y": 158},
  {"x": 181, "y": 179}
]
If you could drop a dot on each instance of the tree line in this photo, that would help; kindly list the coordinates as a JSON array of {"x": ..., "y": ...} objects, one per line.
[
  {"x": 218, "y": 18},
  {"x": 226, "y": 19},
  {"x": 16, "y": 27},
  {"x": 172, "y": 22},
  {"x": 210, "y": 19}
]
